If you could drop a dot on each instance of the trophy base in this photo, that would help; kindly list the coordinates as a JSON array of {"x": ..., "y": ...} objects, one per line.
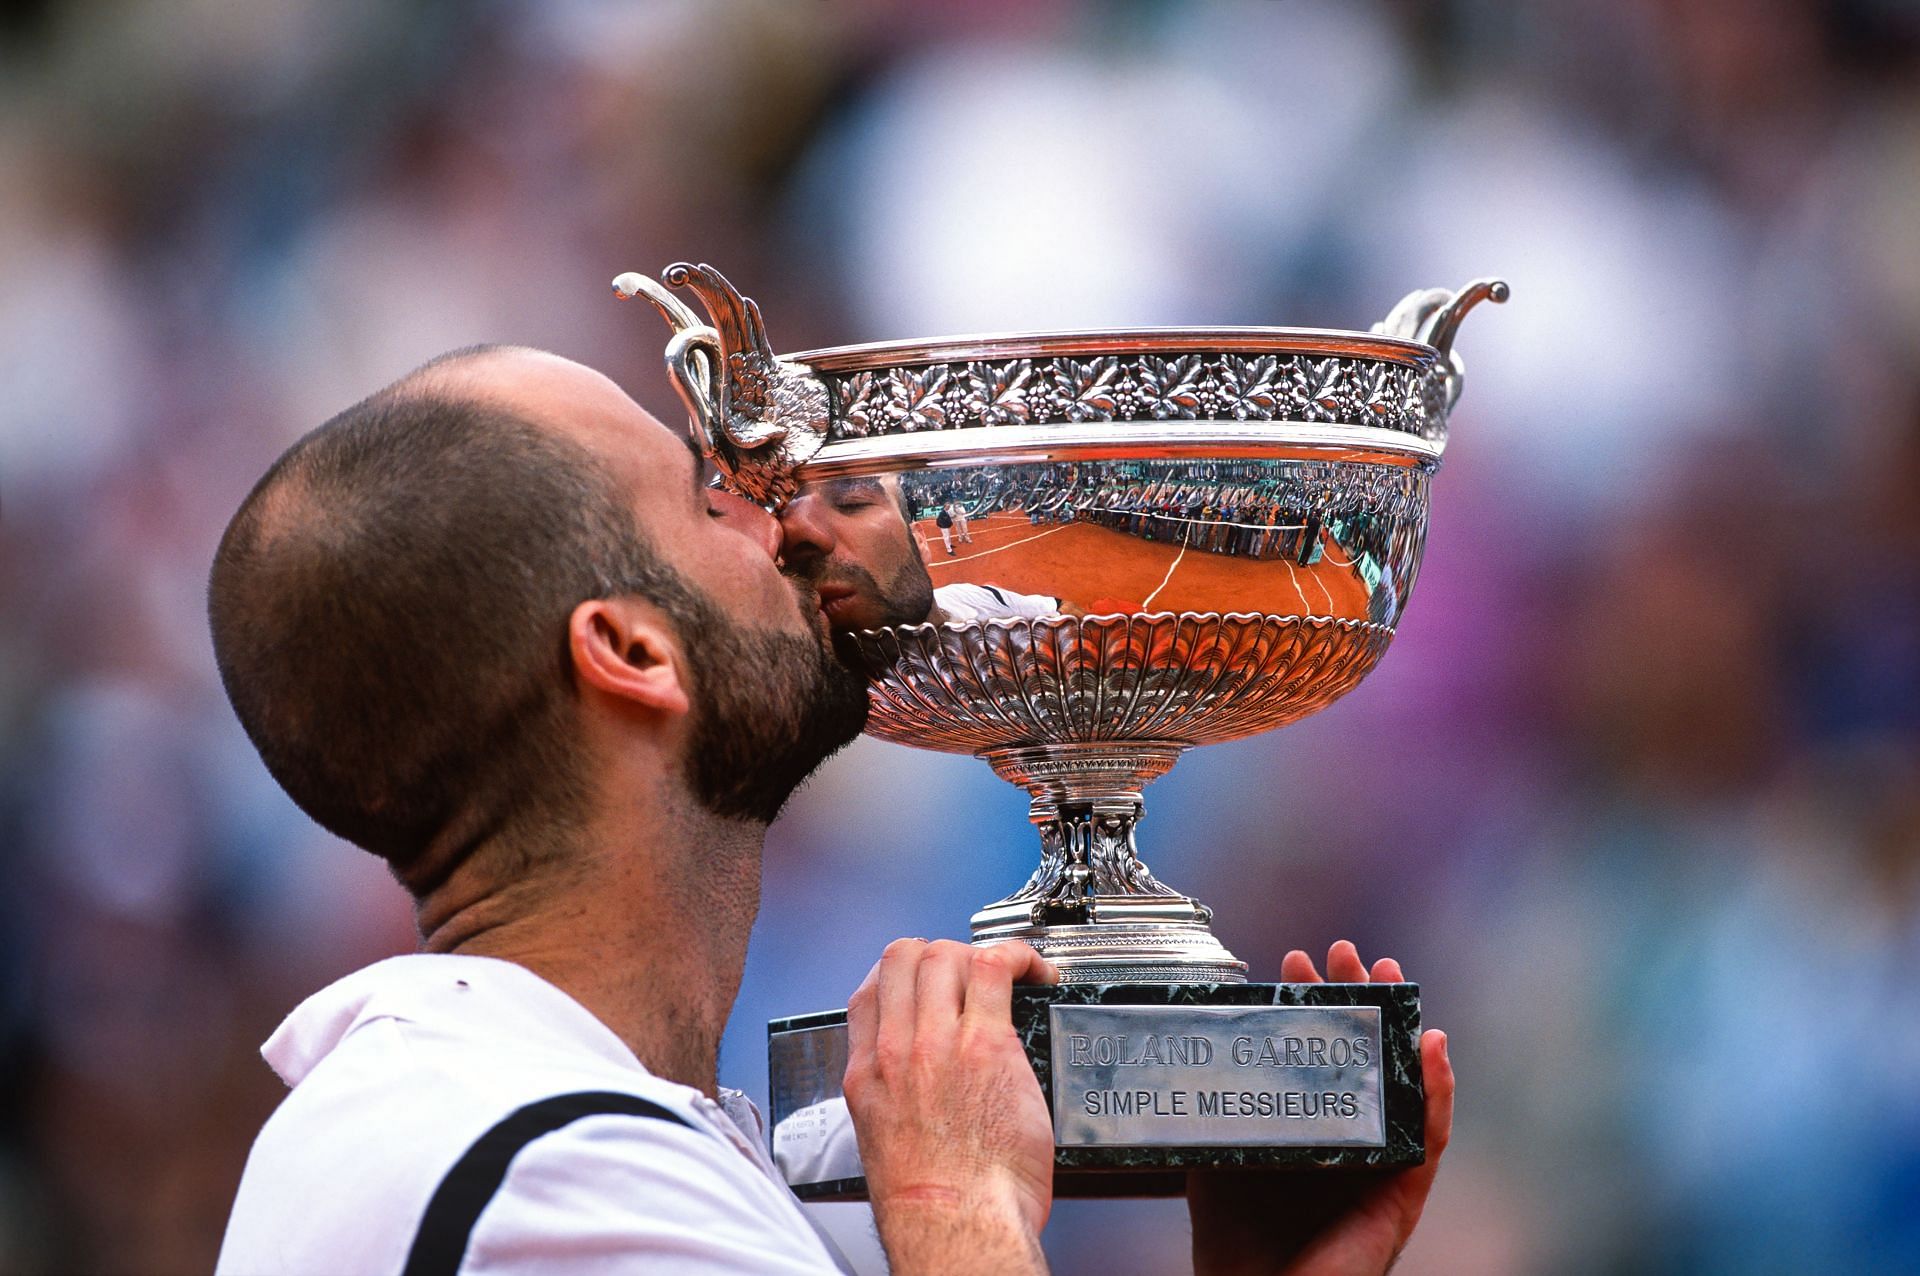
[
  {"x": 1128, "y": 944},
  {"x": 1149, "y": 1081}
]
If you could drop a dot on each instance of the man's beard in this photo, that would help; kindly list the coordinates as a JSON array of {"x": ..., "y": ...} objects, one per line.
[
  {"x": 908, "y": 597},
  {"x": 907, "y": 600},
  {"x": 768, "y": 708}
]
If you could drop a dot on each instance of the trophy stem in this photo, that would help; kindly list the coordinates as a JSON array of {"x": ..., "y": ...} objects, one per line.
[{"x": 1093, "y": 908}]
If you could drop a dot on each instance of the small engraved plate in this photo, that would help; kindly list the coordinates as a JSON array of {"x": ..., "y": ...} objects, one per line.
[
  {"x": 1217, "y": 1076},
  {"x": 813, "y": 1138}
]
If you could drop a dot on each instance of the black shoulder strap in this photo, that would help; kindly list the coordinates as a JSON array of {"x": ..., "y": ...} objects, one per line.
[
  {"x": 997, "y": 594},
  {"x": 440, "y": 1245}
]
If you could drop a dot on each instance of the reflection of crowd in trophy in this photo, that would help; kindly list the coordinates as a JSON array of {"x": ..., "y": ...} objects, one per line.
[
  {"x": 1241, "y": 520},
  {"x": 1243, "y": 510}
]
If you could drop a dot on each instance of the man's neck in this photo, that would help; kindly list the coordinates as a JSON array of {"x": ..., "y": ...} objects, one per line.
[{"x": 646, "y": 928}]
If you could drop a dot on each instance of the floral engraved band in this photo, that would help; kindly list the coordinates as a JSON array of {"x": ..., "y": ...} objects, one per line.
[{"x": 1199, "y": 385}]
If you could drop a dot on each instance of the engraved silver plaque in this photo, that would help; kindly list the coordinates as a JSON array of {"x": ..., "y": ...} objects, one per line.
[{"x": 1217, "y": 1076}]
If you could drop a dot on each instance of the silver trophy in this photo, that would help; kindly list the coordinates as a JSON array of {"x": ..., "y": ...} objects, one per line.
[{"x": 1139, "y": 541}]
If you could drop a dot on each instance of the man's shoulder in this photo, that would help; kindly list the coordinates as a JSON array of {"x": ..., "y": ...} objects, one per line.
[
  {"x": 608, "y": 1191},
  {"x": 512, "y": 1175},
  {"x": 399, "y": 1076}
]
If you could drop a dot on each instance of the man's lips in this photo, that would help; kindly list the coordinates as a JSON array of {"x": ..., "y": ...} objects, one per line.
[{"x": 839, "y": 602}]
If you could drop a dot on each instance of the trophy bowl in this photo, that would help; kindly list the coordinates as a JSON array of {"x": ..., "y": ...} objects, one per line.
[{"x": 1137, "y": 541}]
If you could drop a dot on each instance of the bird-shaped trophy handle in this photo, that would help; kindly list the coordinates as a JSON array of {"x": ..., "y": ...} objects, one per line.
[{"x": 756, "y": 416}]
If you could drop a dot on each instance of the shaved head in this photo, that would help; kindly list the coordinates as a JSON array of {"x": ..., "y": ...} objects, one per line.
[{"x": 389, "y": 611}]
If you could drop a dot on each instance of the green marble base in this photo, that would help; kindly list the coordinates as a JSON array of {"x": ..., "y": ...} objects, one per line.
[{"x": 808, "y": 1053}]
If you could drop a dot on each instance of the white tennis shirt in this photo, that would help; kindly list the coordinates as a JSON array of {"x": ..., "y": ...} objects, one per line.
[{"x": 399, "y": 1069}]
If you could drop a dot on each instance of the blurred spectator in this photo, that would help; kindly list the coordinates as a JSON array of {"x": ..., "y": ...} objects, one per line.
[{"x": 1636, "y": 791}]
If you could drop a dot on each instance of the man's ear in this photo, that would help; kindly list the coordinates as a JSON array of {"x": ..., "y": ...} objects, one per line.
[
  {"x": 624, "y": 647},
  {"x": 921, "y": 544}
]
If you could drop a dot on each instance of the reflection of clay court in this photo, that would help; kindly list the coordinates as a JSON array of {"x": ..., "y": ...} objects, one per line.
[{"x": 1106, "y": 570}]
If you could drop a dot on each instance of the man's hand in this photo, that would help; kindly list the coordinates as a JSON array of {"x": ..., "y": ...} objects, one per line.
[
  {"x": 954, "y": 1133},
  {"x": 1322, "y": 1224}
]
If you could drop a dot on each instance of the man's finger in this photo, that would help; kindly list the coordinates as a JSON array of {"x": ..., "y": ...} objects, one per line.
[
  {"x": 1029, "y": 967},
  {"x": 940, "y": 987},
  {"x": 899, "y": 974},
  {"x": 1387, "y": 971},
  {"x": 1344, "y": 965},
  {"x": 863, "y": 1015},
  {"x": 1297, "y": 968},
  {"x": 1411, "y": 1185},
  {"x": 996, "y": 970},
  {"x": 1437, "y": 1070}
]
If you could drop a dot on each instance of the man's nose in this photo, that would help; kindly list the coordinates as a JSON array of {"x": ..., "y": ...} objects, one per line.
[
  {"x": 803, "y": 529},
  {"x": 749, "y": 520}
]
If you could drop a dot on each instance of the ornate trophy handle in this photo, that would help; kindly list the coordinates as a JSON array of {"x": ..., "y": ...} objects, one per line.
[
  {"x": 693, "y": 354},
  {"x": 756, "y": 416},
  {"x": 1432, "y": 317}
]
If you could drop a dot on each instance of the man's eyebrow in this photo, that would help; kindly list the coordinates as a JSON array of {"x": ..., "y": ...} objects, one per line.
[{"x": 851, "y": 486}]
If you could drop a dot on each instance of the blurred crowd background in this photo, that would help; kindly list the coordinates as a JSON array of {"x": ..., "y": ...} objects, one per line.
[{"x": 1635, "y": 796}]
